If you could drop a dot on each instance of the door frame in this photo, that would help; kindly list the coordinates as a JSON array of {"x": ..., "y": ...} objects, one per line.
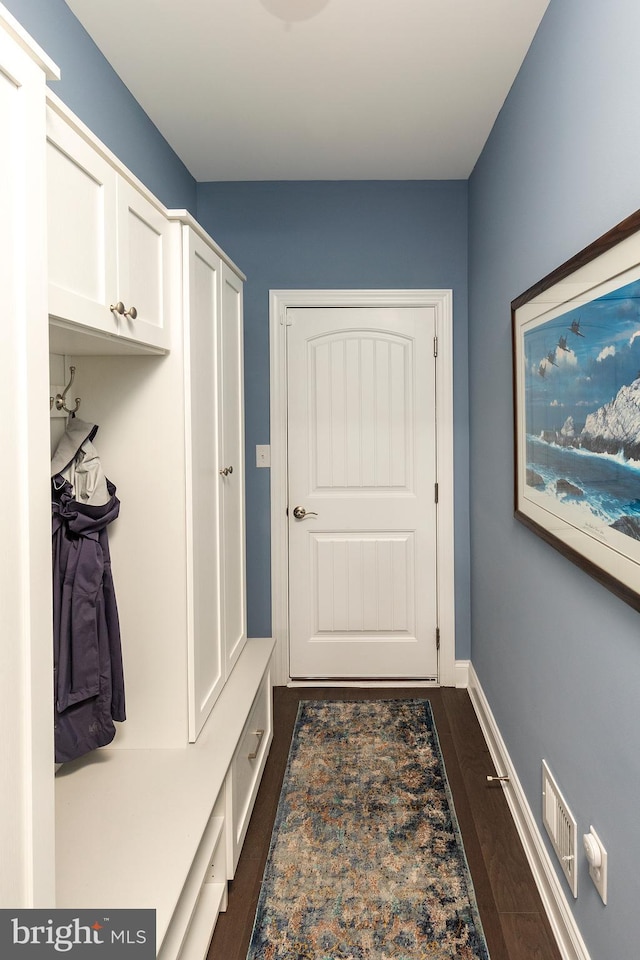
[{"x": 442, "y": 302}]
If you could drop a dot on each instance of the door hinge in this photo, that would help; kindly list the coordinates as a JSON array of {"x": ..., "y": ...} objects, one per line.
[
  {"x": 436, "y": 492},
  {"x": 437, "y": 638},
  {"x": 435, "y": 346}
]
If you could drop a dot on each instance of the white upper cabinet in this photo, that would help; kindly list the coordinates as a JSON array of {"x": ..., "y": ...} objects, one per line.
[
  {"x": 143, "y": 268},
  {"x": 108, "y": 243},
  {"x": 81, "y": 227}
]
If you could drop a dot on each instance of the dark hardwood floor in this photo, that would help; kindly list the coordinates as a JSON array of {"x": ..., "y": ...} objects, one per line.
[{"x": 515, "y": 925}]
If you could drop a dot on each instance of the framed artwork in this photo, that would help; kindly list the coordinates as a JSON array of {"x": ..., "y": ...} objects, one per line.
[{"x": 576, "y": 363}]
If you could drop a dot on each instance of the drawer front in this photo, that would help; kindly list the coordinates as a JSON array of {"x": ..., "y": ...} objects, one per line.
[{"x": 246, "y": 769}]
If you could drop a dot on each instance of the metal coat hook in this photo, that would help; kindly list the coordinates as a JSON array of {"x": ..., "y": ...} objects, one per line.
[{"x": 60, "y": 398}]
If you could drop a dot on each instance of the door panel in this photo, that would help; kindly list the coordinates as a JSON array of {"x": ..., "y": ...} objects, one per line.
[
  {"x": 361, "y": 419},
  {"x": 361, "y": 453},
  {"x": 232, "y": 458},
  {"x": 364, "y": 583},
  {"x": 205, "y": 660}
]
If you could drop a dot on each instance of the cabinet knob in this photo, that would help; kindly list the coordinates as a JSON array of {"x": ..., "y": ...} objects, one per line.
[
  {"x": 120, "y": 308},
  {"x": 226, "y": 471}
]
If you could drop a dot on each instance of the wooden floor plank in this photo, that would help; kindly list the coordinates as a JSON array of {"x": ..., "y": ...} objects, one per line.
[
  {"x": 528, "y": 937},
  {"x": 510, "y": 908}
]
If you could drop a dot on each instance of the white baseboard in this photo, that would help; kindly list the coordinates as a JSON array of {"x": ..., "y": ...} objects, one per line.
[
  {"x": 368, "y": 684},
  {"x": 563, "y": 924},
  {"x": 461, "y": 674}
]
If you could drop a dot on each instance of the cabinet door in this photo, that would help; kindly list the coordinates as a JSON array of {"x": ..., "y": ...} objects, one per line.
[
  {"x": 81, "y": 218},
  {"x": 232, "y": 456},
  {"x": 143, "y": 267},
  {"x": 201, "y": 305}
]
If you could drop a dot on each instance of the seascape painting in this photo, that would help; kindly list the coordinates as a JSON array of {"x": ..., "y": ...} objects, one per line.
[{"x": 581, "y": 392}]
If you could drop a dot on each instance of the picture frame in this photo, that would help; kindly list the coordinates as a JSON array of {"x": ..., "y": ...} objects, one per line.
[{"x": 576, "y": 387}]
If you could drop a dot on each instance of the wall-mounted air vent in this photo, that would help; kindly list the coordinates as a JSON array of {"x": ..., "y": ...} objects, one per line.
[{"x": 561, "y": 826}]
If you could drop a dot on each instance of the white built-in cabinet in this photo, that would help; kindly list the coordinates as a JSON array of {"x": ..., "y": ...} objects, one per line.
[
  {"x": 212, "y": 312},
  {"x": 109, "y": 266},
  {"x": 158, "y": 818}
]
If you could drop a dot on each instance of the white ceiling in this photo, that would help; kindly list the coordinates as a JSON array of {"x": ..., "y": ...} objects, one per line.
[{"x": 318, "y": 89}]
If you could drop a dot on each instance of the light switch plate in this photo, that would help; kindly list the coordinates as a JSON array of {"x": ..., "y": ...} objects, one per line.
[{"x": 263, "y": 455}]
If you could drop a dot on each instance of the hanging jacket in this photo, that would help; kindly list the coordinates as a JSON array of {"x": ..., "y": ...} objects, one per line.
[{"x": 88, "y": 673}]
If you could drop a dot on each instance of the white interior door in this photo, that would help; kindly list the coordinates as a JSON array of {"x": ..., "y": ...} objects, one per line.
[{"x": 362, "y": 475}]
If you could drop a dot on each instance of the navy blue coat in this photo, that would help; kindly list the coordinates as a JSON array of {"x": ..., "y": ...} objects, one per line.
[{"x": 88, "y": 672}]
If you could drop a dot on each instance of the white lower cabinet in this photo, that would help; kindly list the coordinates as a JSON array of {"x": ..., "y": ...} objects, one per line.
[
  {"x": 246, "y": 770},
  {"x": 172, "y": 822},
  {"x": 204, "y": 894}
]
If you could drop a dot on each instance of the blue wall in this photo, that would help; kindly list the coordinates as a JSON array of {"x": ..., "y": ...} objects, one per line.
[
  {"x": 91, "y": 88},
  {"x": 332, "y": 235},
  {"x": 557, "y": 654}
]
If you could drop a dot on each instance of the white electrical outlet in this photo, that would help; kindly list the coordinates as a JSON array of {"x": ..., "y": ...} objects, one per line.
[
  {"x": 263, "y": 455},
  {"x": 597, "y": 857}
]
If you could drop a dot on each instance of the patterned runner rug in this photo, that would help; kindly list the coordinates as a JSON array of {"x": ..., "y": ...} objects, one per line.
[{"x": 366, "y": 859}]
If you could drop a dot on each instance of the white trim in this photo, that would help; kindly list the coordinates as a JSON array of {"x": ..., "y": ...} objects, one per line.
[
  {"x": 279, "y": 302},
  {"x": 15, "y": 29},
  {"x": 277, "y": 440},
  {"x": 550, "y": 887},
  {"x": 190, "y": 221},
  {"x": 462, "y": 674},
  {"x": 367, "y": 684}
]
